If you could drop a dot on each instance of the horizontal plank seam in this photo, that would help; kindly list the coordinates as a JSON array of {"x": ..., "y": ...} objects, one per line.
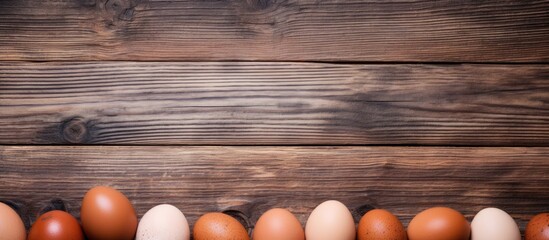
[
  {"x": 279, "y": 145},
  {"x": 291, "y": 61}
]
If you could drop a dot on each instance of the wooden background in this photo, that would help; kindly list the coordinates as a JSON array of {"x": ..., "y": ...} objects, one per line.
[{"x": 244, "y": 105}]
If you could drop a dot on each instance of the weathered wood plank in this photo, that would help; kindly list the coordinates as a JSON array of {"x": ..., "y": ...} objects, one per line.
[
  {"x": 404, "y": 180},
  {"x": 289, "y": 30},
  {"x": 273, "y": 103}
]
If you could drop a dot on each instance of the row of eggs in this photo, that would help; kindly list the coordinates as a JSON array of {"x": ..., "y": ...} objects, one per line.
[{"x": 107, "y": 214}]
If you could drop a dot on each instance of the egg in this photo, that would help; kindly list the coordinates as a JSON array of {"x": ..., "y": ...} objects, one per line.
[
  {"x": 219, "y": 226},
  {"x": 278, "y": 224},
  {"x": 538, "y": 228},
  {"x": 380, "y": 224},
  {"x": 11, "y": 225},
  {"x": 107, "y": 214},
  {"x": 163, "y": 222},
  {"x": 492, "y": 224},
  {"x": 331, "y": 220},
  {"x": 439, "y": 223},
  {"x": 56, "y": 225}
]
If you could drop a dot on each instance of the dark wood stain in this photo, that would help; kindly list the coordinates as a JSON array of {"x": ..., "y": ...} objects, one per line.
[
  {"x": 447, "y": 77},
  {"x": 231, "y": 179},
  {"x": 273, "y": 103},
  {"x": 281, "y": 30}
]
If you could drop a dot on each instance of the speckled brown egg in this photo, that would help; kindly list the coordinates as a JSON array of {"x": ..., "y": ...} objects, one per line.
[
  {"x": 439, "y": 223},
  {"x": 538, "y": 228},
  {"x": 219, "y": 226},
  {"x": 380, "y": 224}
]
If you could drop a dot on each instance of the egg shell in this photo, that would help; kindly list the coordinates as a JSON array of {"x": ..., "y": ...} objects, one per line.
[
  {"x": 56, "y": 225},
  {"x": 11, "y": 225},
  {"x": 219, "y": 226},
  {"x": 380, "y": 224},
  {"x": 538, "y": 227},
  {"x": 163, "y": 222},
  {"x": 107, "y": 214},
  {"x": 439, "y": 223},
  {"x": 494, "y": 224},
  {"x": 278, "y": 224},
  {"x": 331, "y": 220}
]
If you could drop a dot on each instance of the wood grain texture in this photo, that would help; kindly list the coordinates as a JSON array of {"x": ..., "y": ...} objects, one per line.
[
  {"x": 281, "y": 30},
  {"x": 250, "y": 180},
  {"x": 221, "y": 103}
]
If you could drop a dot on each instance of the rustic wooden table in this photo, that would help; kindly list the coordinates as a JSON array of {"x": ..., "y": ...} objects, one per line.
[{"x": 244, "y": 105}]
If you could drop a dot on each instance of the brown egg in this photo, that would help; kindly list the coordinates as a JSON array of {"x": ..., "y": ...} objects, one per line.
[
  {"x": 278, "y": 224},
  {"x": 56, "y": 225},
  {"x": 11, "y": 225},
  {"x": 538, "y": 228},
  {"x": 439, "y": 223},
  {"x": 107, "y": 214},
  {"x": 219, "y": 226},
  {"x": 380, "y": 224}
]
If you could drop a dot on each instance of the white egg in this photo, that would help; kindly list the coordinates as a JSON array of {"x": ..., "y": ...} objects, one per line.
[
  {"x": 492, "y": 224},
  {"x": 331, "y": 220},
  {"x": 163, "y": 222}
]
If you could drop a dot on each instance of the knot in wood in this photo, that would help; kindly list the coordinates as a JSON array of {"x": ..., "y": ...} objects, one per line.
[
  {"x": 120, "y": 9},
  {"x": 75, "y": 131}
]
